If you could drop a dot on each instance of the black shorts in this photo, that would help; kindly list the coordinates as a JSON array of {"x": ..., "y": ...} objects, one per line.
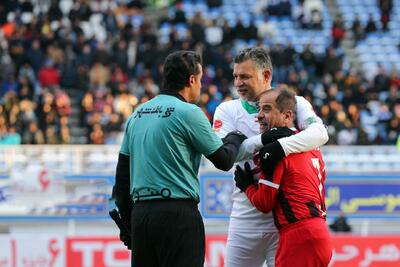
[{"x": 167, "y": 233}]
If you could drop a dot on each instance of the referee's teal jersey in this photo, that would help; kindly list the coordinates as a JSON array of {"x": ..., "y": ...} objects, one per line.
[{"x": 165, "y": 138}]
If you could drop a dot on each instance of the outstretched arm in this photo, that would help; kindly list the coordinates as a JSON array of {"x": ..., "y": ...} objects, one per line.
[{"x": 313, "y": 134}]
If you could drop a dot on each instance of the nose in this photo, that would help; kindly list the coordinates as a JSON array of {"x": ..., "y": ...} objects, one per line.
[
  {"x": 259, "y": 116},
  {"x": 238, "y": 82}
]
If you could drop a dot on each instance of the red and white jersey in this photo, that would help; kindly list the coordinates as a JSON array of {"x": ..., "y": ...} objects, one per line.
[
  {"x": 239, "y": 115},
  {"x": 295, "y": 191}
]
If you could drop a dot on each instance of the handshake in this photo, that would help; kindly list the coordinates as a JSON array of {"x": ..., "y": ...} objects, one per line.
[{"x": 235, "y": 137}]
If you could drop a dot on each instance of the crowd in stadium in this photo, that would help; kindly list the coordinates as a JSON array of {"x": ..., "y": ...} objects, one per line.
[{"x": 44, "y": 56}]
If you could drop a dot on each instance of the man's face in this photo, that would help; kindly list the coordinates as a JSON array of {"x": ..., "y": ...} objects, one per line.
[
  {"x": 196, "y": 86},
  {"x": 250, "y": 81},
  {"x": 269, "y": 115}
]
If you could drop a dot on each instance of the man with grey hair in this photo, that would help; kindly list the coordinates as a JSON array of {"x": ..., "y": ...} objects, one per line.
[{"x": 252, "y": 235}]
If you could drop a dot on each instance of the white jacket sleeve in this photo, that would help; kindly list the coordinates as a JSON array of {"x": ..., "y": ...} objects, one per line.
[
  {"x": 249, "y": 147},
  {"x": 223, "y": 121},
  {"x": 313, "y": 133}
]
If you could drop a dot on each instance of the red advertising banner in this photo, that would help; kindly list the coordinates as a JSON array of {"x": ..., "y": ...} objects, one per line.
[
  {"x": 108, "y": 251},
  {"x": 373, "y": 251},
  {"x": 349, "y": 251},
  {"x": 96, "y": 252}
]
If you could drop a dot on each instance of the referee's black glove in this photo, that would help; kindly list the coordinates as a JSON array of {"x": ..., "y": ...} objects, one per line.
[
  {"x": 234, "y": 137},
  {"x": 243, "y": 178},
  {"x": 124, "y": 227},
  {"x": 272, "y": 152},
  {"x": 125, "y": 237}
]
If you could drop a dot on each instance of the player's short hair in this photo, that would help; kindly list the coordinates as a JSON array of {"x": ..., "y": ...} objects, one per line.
[
  {"x": 178, "y": 66},
  {"x": 258, "y": 55},
  {"x": 285, "y": 99}
]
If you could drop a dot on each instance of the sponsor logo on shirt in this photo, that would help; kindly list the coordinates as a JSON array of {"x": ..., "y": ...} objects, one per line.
[{"x": 217, "y": 125}]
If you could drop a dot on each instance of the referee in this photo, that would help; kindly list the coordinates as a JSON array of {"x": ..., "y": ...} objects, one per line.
[{"x": 158, "y": 166}]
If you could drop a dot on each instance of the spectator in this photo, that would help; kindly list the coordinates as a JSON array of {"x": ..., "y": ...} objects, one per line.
[
  {"x": 97, "y": 135},
  {"x": 240, "y": 32},
  {"x": 252, "y": 32},
  {"x": 340, "y": 224},
  {"x": 214, "y": 3},
  {"x": 180, "y": 16},
  {"x": 197, "y": 28},
  {"x": 26, "y": 90},
  {"x": 65, "y": 136},
  {"x": 85, "y": 57},
  {"x": 309, "y": 14},
  {"x": 99, "y": 75},
  {"x": 80, "y": 10},
  {"x": 357, "y": 29},
  {"x": 49, "y": 75},
  {"x": 62, "y": 103},
  {"x": 101, "y": 54},
  {"x": 381, "y": 80},
  {"x": 9, "y": 85},
  {"x": 332, "y": 62},
  {"x": 371, "y": 26},
  {"x": 51, "y": 137},
  {"x": 316, "y": 20},
  {"x": 26, "y": 71},
  {"x": 309, "y": 60},
  {"x": 55, "y": 13},
  {"x": 12, "y": 137},
  {"x": 120, "y": 56},
  {"x": 228, "y": 34},
  {"x": 33, "y": 135},
  {"x": 82, "y": 63},
  {"x": 385, "y": 7},
  {"x": 338, "y": 32},
  {"x": 281, "y": 8}
]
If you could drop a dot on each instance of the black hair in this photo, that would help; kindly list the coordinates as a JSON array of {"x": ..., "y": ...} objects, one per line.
[{"x": 178, "y": 66}]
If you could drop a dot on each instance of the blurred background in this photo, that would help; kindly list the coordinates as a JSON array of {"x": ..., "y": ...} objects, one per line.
[{"x": 72, "y": 71}]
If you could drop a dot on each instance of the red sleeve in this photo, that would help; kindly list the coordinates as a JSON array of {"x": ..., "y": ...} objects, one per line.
[{"x": 264, "y": 195}]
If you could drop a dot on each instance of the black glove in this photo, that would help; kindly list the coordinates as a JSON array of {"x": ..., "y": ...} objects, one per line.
[
  {"x": 124, "y": 227},
  {"x": 243, "y": 178},
  {"x": 274, "y": 134},
  {"x": 126, "y": 239},
  {"x": 273, "y": 152},
  {"x": 234, "y": 137}
]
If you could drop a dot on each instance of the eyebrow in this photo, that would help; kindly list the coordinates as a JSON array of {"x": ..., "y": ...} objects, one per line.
[{"x": 266, "y": 105}]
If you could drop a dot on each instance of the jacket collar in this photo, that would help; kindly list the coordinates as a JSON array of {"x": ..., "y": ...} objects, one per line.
[{"x": 172, "y": 93}]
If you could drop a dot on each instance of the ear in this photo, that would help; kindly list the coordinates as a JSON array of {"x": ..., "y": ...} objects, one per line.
[
  {"x": 288, "y": 116},
  {"x": 267, "y": 76},
  {"x": 192, "y": 80}
]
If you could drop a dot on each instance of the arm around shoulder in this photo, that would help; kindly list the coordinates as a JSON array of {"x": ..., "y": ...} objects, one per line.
[
  {"x": 313, "y": 132},
  {"x": 314, "y": 136}
]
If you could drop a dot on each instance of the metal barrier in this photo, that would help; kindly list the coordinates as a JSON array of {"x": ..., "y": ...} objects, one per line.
[{"x": 101, "y": 159}]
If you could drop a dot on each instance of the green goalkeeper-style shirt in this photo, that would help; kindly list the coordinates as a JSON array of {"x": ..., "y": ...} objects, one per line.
[{"x": 165, "y": 138}]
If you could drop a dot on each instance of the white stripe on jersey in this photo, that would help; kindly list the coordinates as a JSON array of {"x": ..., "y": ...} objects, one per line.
[{"x": 268, "y": 183}]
